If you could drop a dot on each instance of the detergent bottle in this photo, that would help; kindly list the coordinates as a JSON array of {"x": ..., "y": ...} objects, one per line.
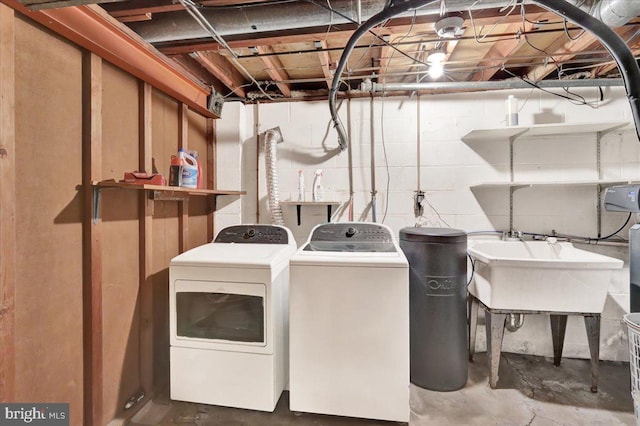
[
  {"x": 189, "y": 170},
  {"x": 200, "y": 183}
]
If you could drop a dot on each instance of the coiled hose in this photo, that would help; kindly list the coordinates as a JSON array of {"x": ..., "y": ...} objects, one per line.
[{"x": 271, "y": 139}]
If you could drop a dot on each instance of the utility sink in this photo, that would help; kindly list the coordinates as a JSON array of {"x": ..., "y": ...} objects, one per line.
[{"x": 540, "y": 276}]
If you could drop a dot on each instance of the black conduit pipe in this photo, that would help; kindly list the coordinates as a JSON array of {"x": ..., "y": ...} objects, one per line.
[
  {"x": 386, "y": 13},
  {"x": 612, "y": 42},
  {"x": 609, "y": 39}
]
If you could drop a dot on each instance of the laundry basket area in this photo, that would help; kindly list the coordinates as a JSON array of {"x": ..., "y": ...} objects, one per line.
[{"x": 633, "y": 323}]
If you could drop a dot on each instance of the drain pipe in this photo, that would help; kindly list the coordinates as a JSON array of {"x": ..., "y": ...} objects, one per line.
[
  {"x": 514, "y": 322},
  {"x": 271, "y": 139}
]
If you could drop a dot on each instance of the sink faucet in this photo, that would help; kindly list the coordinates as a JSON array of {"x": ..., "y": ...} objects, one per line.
[
  {"x": 552, "y": 240},
  {"x": 512, "y": 235}
]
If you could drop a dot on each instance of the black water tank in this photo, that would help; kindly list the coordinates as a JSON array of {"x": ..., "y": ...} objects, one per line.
[{"x": 437, "y": 298}]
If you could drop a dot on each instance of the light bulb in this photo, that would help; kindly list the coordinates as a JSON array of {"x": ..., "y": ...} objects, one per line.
[
  {"x": 436, "y": 57},
  {"x": 436, "y": 70}
]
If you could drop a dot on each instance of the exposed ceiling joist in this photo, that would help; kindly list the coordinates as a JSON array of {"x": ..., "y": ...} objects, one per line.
[
  {"x": 276, "y": 70},
  {"x": 325, "y": 62},
  {"x": 221, "y": 69},
  {"x": 503, "y": 49}
]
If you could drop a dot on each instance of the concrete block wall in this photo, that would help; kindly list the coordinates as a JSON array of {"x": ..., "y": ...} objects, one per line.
[{"x": 448, "y": 167}]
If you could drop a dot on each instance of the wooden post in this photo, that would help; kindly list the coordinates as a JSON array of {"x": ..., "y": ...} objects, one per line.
[
  {"x": 183, "y": 206},
  {"x": 92, "y": 235},
  {"x": 211, "y": 173},
  {"x": 7, "y": 205},
  {"x": 145, "y": 163}
]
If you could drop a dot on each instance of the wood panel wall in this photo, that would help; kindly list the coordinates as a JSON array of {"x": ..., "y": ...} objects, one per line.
[
  {"x": 48, "y": 163},
  {"x": 78, "y": 118}
]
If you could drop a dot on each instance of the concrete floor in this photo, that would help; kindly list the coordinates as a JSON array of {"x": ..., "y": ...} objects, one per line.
[{"x": 531, "y": 391}]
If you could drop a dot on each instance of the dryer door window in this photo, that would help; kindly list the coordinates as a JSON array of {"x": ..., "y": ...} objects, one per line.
[{"x": 220, "y": 316}]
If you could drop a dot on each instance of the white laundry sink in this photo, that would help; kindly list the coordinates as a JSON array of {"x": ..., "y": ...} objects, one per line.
[{"x": 540, "y": 276}]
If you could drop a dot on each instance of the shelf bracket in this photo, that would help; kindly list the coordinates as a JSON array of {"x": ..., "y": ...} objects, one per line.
[
  {"x": 512, "y": 190},
  {"x": 96, "y": 204}
]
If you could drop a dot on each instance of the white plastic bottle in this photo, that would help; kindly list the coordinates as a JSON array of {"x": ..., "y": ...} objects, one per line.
[
  {"x": 189, "y": 171},
  {"x": 300, "y": 186},
  {"x": 318, "y": 192}
]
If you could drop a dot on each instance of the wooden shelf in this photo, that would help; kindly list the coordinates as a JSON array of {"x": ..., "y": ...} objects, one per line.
[
  {"x": 174, "y": 189},
  {"x": 529, "y": 184},
  {"x": 503, "y": 133}
]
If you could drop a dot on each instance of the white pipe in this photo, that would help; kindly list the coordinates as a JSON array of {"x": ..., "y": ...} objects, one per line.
[{"x": 488, "y": 85}]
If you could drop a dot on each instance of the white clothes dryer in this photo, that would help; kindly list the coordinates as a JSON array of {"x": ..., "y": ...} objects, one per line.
[
  {"x": 228, "y": 318},
  {"x": 349, "y": 323}
]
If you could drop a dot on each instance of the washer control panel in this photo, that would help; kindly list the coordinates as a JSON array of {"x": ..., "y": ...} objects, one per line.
[
  {"x": 351, "y": 232},
  {"x": 351, "y": 237},
  {"x": 253, "y": 234}
]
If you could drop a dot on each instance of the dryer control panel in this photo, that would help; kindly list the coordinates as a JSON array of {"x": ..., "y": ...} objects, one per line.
[
  {"x": 253, "y": 234},
  {"x": 351, "y": 237}
]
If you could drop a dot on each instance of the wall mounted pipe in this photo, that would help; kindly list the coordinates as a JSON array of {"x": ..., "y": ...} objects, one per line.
[{"x": 489, "y": 85}]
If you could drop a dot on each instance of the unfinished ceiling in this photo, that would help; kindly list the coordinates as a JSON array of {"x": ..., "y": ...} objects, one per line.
[{"x": 270, "y": 50}]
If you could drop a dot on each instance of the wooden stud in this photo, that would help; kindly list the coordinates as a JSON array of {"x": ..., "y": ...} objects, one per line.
[
  {"x": 92, "y": 235},
  {"x": 7, "y": 205},
  {"x": 211, "y": 173},
  {"x": 145, "y": 243},
  {"x": 275, "y": 69},
  {"x": 183, "y": 207}
]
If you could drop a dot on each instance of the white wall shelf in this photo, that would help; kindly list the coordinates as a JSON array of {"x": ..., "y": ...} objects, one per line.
[
  {"x": 538, "y": 130},
  {"x": 541, "y": 130},
  {"x": 530, "y": 184}
]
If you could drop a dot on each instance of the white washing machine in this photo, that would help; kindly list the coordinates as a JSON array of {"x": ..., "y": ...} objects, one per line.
[
  {"x": 349, "y": 323},
  {"x": 228, "y": 318}
]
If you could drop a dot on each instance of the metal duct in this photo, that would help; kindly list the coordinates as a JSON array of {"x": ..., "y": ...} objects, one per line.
[
  {"x": 271, "y": 139},
  {"x": 249, "y": 20},
  {"x": 616, "y": 13}
]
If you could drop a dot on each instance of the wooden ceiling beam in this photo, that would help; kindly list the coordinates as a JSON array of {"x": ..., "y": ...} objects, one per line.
[
  {"x": 384, "y": 59},
  {"x": 586, "y": 42},
  {"x": 567, "y": 51},
  {"x": 275, "y": 69},
  {"x": 503, "y": 49},
  {"x": 221, "y": 69},
  {"x": 325, "y": 63},
  {"x": 604, "y": 69}
]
